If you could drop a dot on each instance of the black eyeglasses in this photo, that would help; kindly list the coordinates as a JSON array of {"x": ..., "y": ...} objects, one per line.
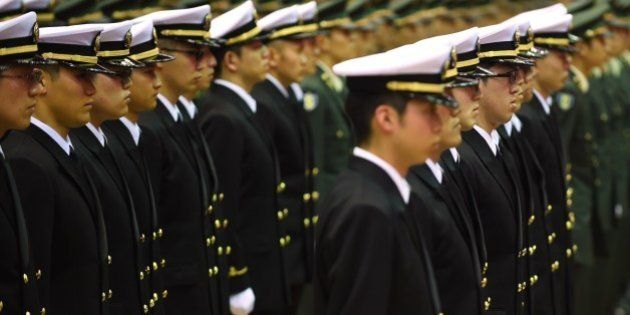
[
  {"x": 33, "y": 77},
  {"x": 197, "y": 53},
  {"x": 512, "y": 75}
]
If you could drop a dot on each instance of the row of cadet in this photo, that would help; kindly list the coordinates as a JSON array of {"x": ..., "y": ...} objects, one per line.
[{"x": 168, "y": 162}]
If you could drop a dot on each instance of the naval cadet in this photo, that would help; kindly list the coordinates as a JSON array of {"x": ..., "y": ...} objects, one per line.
[
  {"x": 536, "y": 227},
  {"x": 20, "y": 85},
  {"x": 139, "y": 155},
  {"x": 452, "y": 243},
  {"x": 60, "y": 201},
  {"x": 191, "y": 273},
  {"x": 247, "y": 165},
  {"x": 288, "y": 128},
  {"x": 92, "y": 146},
  {"x": 392, "y": 106},
  {"x": 540, "y": 128},
  {"x": 485, "y": 165}
]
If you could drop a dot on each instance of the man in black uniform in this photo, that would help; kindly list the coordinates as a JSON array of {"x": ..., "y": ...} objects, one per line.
[
  {"x": 541, "y": 131},
  {"x": 286, "y": 120},
  {"x": 184, "y": 199},
  {"x": 370, "y": 256},
  {"x": 19, "y": 85},
  {"x": 138, "y": 153},
  {"x": 247, "y": 165},
  {"x": 60, "y": 201},
  {"x": 484, "y": 165},
  {"x": 91, "y": 144},
  {"x": 452, "y": 244}
]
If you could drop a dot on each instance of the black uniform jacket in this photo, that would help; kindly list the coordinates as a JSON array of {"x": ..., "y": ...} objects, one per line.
[
  {"x": 499, "y": 211},
  {"x": 65, "y": 224},
  {"x": 120, "y": 221},
  {"x": 542, "y": 132},
  {"x": 247, "y": 169},
  {"x": 287, "y": 124},
  {"x": 182, "y": 216},
  {"x": 537, "y": 226},
  {"x": 17, "y": 295},
  {"x": 451, "y": 243},
  {"x": 369, "y": 256},
  {"x": 135, "y": 161},
  {"x": 215, "y": 211}
]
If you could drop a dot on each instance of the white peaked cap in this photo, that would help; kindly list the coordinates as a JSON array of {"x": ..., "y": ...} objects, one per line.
[
  {"x": 307, "y": 11},
  {"x": 552, "y": 10},
  {"x": 552, "y": 24},
  {"x": 463, "y": 41},
  {"x": 497, "y": 33},
  {"x": 141, "y": 32},
  {"x": 18, "y": 27},
  {"x": 194, "y": 15},
  {"x": 397, "y": 62},
  {"x": 36, "y": 4},
  {"x": 115, "y": 32},
  {"x": 233, "y": 19},
  {"x": 279, "y": 18},
  {"x": 82, "y": 35},
  {"x": 10, "y": 5}
]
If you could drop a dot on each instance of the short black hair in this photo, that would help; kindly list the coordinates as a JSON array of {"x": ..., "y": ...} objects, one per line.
[
  {"x": 360, "y": 109},
  {"x": 219, "y": 54}
]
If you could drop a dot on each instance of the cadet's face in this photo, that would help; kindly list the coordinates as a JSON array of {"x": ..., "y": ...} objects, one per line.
[
  {"x": 209, "y": 62},
  {"x": 111, "y": 98},
  {"x": 288, "y": 60},
  {"x": 70, "y": 96},
  {"x": 368, "y": 38},
  {"x": 145, "y": 87},
  {"x": 181, "y": 75},
  {"x": 419, "y": 130},
  {"x": 553, "y": 70},
  {"x": 254, "y": 61},
  {"x": 18, "y": 100},
  {"x": 451, "y": 135},
  {"x": 529, "y": 76},
  {"x": 500, "y": 95},
  {"x": 308, "y": 49},
  {"x": 468, "y": 99},
  {"x": 341, "y": 46}
]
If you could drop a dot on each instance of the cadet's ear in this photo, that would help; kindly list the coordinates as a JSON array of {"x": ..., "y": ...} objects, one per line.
[
  {"x": 231, "y": 61},
  {"x": 385, "y": 120}
]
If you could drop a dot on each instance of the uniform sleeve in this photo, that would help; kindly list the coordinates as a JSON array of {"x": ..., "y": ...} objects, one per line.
[
  {"x": 359, "y": 255},
  {"x": 225, "y": 138},
  {"x": 37, "y": 197}
]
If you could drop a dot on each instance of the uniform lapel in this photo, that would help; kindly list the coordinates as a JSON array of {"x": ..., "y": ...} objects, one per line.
[{"x": 64, "y": 161}]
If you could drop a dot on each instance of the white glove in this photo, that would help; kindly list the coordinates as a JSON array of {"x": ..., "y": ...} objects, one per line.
[{"x": 242, "y": 303}]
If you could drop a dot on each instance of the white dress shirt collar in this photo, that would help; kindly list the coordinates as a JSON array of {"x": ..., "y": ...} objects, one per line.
[
  {"x": 189, "y": 105},
  {"x": 455, "y": 154},
  {"x": 249, "y": 100},
  {"x": 278, "y": 85},
  {"x": 436, "y": 169},
  {"x": 492, "y": 138},
  {"x": 546, "y": 103},
  {"x": 97, "y": 132},
  {"x": 1, "y": 152},
  {"x": 297, "y": 90},
  {"x": 64, "y": 143},
  {"x": 508, "y": 127},
  {"x": 133, "y": 128},
  {"x": 172, "y": 108},
  {"x": 517, "y": 123},
  {"x": 400, "y": 182}
]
